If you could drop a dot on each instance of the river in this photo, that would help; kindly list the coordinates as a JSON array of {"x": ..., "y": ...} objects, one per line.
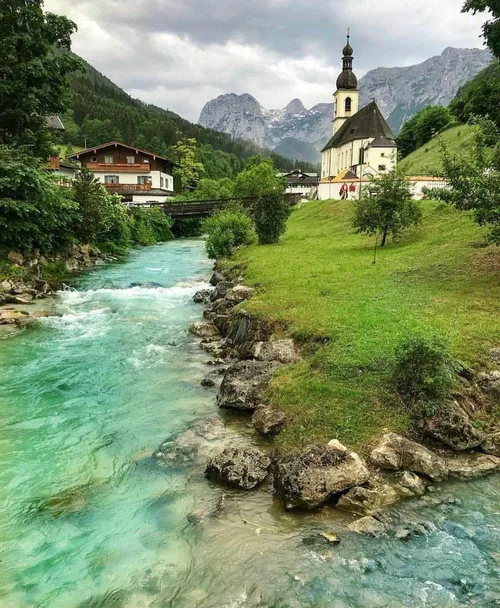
[{"x": 89, "y": 517}]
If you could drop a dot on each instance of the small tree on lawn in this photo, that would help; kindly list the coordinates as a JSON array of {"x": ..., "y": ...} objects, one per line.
[
  {"x": 474, "y": 178},
  {"x": 270, "y": 213},
  {"x": 386, "y": 207}
]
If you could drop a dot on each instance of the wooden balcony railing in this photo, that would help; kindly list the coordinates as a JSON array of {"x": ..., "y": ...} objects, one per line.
[
  {"x": 123, "y": 188},
  {"x": 119, "y": 167}
]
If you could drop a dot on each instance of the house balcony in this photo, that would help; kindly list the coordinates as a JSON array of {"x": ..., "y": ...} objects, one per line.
[
  {"x": 119, "y": 167},
  {"x": 127, "y": 188}
]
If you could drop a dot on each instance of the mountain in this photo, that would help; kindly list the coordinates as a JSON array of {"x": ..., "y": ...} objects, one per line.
[{"x": 399, "y": 92}]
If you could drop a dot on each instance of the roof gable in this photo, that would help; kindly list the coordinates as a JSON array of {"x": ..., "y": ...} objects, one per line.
[
  {"x": 116, "y": 144},
  {"x": 366, "y": 123}
]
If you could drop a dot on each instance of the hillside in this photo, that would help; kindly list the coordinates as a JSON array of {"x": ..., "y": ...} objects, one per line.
[
  {"x": 102, "y": 111},
  {"x": 350, "y": 315},
  {"x": 427, "y": 159}
]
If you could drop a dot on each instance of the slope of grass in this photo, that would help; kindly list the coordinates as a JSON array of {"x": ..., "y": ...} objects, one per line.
[
  {"x": 427, "y": 159},
  {"x": 320, "y": 283}
]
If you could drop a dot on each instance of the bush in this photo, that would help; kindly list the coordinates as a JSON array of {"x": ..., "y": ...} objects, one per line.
[
  {"x": 226, "y": 230},
  {"x": 424, "y": 373},
  {"x": 270, "y": 213},
  {"x": 150, "y": 226}
]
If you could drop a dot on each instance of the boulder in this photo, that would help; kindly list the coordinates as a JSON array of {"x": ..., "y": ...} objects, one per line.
[
  {"x": 268, "y": 420},
  {"x": 243, "y": 469},
  {"x": 202, "y": 296},
  {"x": 22, "y": 298},
  {"x": 244, "y": 383},
  {"x": 71, "y": 264},
  {"x": 16, "y": 258},
  {"x": 221, "y": 290},
  {"x": 217, "y": 277},
  {"x": 398, "y": 453},
  {"x": 491, "y": 445},
  {"x": 220, "y": 307},
  {"x": 3, "y": 299},
  {"x": 410, "y": 485},
  {"x": 239, "y": 294},
  {"x": 221, "y": 322},
  {"x": 311, "y": 477},
  {"x": 276, "y": 350},
  {"x": 489, "y": 383},
  {"x": 368, "y": 500},
  {"x": 451, "y": 426},
  {"x": 10, "y": 317},
  {"x": 369, "y": 526},
  {"x": 202, "y": 329},
  {"x": 495, "y": 354},
  {"x": 244, "y": 331},
  {"x": 470, "y": 466}
]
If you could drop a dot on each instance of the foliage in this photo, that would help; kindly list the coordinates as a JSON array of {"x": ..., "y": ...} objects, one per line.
[
  {"x": 187, "y": 227},
  {"x": 386, "y": 207},
  {"x": 258, "y": 179},
  {"x": 423, "y": 373},
  {"x": 190, "y": 171},
  {"x": 150, "y": 226},
  {"x": 210, "y": 189},
  {"x": 270, "y": 212},
  {"x": 422, "y": 127},
  {"x": 319, "y": 285},
  {"x": 491, "y": 28},
  {"x": 33, "y": 72},
  {"x": 474, "y": 178},
  {"x": 480, "y": 96},
  {"x": 34, "y": 212},
  {"x": 226, "y": 230}
]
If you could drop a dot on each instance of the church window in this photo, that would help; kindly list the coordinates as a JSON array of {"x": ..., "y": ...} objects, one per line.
[
  {"x": 348, "y": 103},
  {"x": 382, "y": 167},
  {"x": 361, "y": 156}
]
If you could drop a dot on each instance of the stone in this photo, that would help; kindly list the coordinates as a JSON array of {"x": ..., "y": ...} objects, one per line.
[
  {"x": 309, "y": 478},
  {"x": 202, "y": 329},
  {"x": 220, "y": 307},
  {"x": 495, "y": 354},
  {"x": 369, "y": 526},
  {"x": 410, "y": 484},
  {"x": 221, "y": 322},
  {"x": 472, "y": 466},
  {"x": 22, "y": 298},
  {"x": 398, "y": 453},
  {"x": 217, "y": 277},
  {"x": 202, "y": 296},
  {"x": 221, "y": 290},
  {"x": 11, "y": 317},
  {"x": 239, "y": 294},
  {"x": 244, "y": 383},
  {"x": 244, "y": 469},
  {"x": 3, "y": 299},
  {"x": 489, "y": 383},
  {"x": 276, "y": 350},
  {"x": 207, "y": 383},
  {"x": 268, "y": 420},
  {"x": 71, "y": 264},
  {"x": 16, "y": 258},
  {"x": 491, "y": 445},
  {"x": 451, "y": 426},
  {"x": 367, "y": 500},
  {"x": 330, "y": 538}
]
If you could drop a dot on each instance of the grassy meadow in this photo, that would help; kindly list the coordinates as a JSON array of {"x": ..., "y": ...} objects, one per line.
[{"x": 349, "y": 315}]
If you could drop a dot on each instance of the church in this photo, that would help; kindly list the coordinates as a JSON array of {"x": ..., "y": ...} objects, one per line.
[{"x": 362, "y": 143}]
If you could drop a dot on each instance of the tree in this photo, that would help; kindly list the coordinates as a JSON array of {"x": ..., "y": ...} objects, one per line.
[
  {"x": 190, "y": 171},
  {"x": 270, "y": 213},
  {"x": 258, "y": 180},
  {"x": 386, "y": 207},
  {"x": 491, "y": 28},
  {"x": 422, "y": 127},
  {"x": 34, "y": 66},
  {"x": 474, "y": 178}
]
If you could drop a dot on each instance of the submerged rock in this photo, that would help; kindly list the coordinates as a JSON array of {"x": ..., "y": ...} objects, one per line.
[
  {"x": 203, "y": 329},
  {"x": 207, "y": 383},
  {"x": 243, "y": 469},
  {"x": 244, "y": 383},
  {"x": 369, "y": 526},
  {"x": 276, "y": 350},
  {"x": 451, "y": 426},
  {"x": 268, "y": 420},
  {"x": 309, "y": 478},
  {"x": 147, "y": 285},
  {"x": 491, "y": 445},
  {"x": 398, "y": 453},
  {"x": 472, "y": 466},
  {"x": 202, "y": 296}
]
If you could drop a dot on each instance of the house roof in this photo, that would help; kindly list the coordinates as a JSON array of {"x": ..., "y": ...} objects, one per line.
[
  {"x": 52, "y": 121},
  {"x": 345, "y": 175},
  {"x": 76, "y": 155},
  {"x": 297, "y": 172},
  {"x": 366, "y": 123}
]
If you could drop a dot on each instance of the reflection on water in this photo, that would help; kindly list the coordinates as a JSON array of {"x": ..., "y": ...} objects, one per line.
[{"x": 91, "y": 516}]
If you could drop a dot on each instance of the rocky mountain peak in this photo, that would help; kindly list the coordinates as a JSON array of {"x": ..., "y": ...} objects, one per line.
[{"x": 294, "y": 107}]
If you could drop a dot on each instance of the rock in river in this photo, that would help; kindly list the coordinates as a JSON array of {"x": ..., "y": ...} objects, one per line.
[
  {"x": 309, "y": 478},
  {"x": 491, "y": 444},
  {"x": 369, "y": 526},
  {"x": 398, "y": 453},
  {"x": 202, "y": 329},
  {"x": 243, "y": 469},
  {"x": 243, "y": 384},
  {"x": 473, "y": 465}
]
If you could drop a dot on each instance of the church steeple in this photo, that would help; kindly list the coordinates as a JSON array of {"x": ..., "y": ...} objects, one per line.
[
  {"x": 347, "y": 79},
  {"x": 347, "y": 94}
]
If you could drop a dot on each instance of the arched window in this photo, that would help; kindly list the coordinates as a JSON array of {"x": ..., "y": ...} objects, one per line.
[{"x": 348, "y": 103}]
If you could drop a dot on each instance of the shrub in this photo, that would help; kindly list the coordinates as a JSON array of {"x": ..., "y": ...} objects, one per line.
[
  {"x": 150, "y": 226},
  {"x": 270, "y": 213},
  {"x": 226, "y": 230},
  {"x": 424, "y": 373}
]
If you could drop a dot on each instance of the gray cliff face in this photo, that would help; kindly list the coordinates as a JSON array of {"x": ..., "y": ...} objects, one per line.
[{"x": 299, "y": 133}]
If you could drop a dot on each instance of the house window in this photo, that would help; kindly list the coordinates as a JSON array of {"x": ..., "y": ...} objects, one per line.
[
  {"x": 93, "y": 159},
  {"x": 348, "y": 103},
  {"x": 382, "y": 167},
  {"x": 111, "y": 179},
  {"x": 130, "y": 160},
  {"x": 108, "y": 160},
  {"x": 382, "y": 154},
  {"x": 162, "y": 181},
  {"x": 143, "y": 179}
]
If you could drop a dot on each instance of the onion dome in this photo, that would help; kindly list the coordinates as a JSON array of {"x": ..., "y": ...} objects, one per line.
[
  {"x": 347, "y": 79},
  {"x": 347, "y": 51}
]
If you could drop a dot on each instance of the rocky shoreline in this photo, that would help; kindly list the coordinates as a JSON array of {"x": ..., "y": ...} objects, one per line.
[
  {"x": 19, "y": 296},
  {"x": 250, "y": 350}
]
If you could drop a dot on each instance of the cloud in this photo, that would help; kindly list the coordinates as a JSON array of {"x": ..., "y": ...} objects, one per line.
[{"x": 179, "y": 54}]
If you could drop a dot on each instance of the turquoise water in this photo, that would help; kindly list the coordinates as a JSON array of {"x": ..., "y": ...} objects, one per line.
[{"x": 89, "y": 517}]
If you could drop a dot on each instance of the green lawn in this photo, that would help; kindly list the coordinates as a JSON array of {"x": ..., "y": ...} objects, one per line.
[
  {"x": 428, "y": 159},
  {"x": 350, "y": 314}
]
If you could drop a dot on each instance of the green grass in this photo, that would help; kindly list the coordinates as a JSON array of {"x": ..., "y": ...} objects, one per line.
[
  {"x": 320, "y": 284},
  {"x": 427, "y": 160}
]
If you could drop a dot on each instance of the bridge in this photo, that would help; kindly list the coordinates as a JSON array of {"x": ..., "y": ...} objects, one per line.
[{"x": 197, "y": 209}]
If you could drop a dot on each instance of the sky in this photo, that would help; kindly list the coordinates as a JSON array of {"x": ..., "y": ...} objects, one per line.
[{"x": 179, "y": 54}]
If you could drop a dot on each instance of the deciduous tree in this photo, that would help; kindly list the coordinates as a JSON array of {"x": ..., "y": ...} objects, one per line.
[{"x": 491, "y": 28}]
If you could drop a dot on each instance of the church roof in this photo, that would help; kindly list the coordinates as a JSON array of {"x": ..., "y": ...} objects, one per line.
[
  {"x": 383, "y": 142},
  {"x": 366, "y": 123}
]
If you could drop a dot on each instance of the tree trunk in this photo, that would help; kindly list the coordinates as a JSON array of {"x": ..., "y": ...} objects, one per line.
[{"x": 384, "y": 238}]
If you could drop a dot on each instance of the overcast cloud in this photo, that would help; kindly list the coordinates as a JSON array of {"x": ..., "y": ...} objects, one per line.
[{"x": 179, "y": 54}]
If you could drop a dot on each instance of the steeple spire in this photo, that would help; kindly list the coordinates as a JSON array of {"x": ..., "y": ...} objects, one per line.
[{"x": 347, "y": 79}]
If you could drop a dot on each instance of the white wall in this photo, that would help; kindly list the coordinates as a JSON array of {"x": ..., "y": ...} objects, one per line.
[
  {"x": 131, "y": 178},
  {"x": 335, "y": 160},
  {"x": 331, "y": 190},
  {"x": 145, "y": 198}
]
